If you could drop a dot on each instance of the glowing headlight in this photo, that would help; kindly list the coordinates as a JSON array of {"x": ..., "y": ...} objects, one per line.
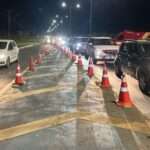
[
  {"x": 79, "y": 44},
  {"x": 48, "y": 40},
  {"x": 2, "y": 56}
]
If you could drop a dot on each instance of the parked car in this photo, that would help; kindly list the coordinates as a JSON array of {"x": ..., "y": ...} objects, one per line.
[
  {"x": 102, "y": 49},
  {"x": 79, "y": 45},
  {"x": 9, "y": 52},
  {"x": 134, "y": 58}
]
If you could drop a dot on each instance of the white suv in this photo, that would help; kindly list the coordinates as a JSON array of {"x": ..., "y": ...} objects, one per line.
[
  {"x": 102, "y": 49},
  {"x": 9, "y": 52}
]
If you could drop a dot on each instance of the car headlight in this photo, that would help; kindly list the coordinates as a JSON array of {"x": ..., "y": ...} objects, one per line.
[
  {"x": 79, "y": 44},
  {"x": 2, "y": 56}
]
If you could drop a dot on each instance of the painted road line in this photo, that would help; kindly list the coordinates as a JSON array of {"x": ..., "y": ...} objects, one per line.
[
  {"x": 27, "y": 128},
  {"x": 40, "y": 76},
  {"x": 54, "y": 121},
  {"x": 35, "y": 126},
  {"x": 17, "y": 96},
  {"x": 28, "y": 46}
]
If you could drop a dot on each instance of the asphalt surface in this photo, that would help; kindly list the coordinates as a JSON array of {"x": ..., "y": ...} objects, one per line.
[
  {"x": 8, "y": 74},
  {"x": 60, "y": 108}
]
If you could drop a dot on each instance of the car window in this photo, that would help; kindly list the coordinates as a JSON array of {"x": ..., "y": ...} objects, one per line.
[
  {"x": 124, "y": 49},
  {"x": 101, "y": 41},
  {"x": 145, "y": 48},
  {"x": 3, "y": 45},
  {"x": 132, "y": 49},
  {"x": 10, "y": 47},
  {"x": 14, "y": 44}
]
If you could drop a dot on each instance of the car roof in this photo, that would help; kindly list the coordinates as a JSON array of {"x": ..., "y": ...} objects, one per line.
[
  {"x": 101, "y": 37},
  {"x": 137, "y": 41}
]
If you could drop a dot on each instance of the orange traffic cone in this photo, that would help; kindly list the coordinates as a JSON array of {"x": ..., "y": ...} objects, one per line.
[
  {"x": 90, "y": 68},
  {"x": 73, "y": 57},
  {"x": 31, "y": 64},
  {"x": 39, "y": 59},
  {"x": 124, "y": 98},
  {"x": 19, "y": 79},
  {"x": 105, "y": 80},
  {"x": 80, "y": 61}
]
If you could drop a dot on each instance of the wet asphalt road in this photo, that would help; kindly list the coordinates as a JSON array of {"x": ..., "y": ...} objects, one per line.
[
  {"x": 59, "y": 87},
  {"x": 8, "y": 74}
]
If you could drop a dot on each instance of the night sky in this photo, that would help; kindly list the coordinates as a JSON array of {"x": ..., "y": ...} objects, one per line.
[{"x": 109, "y": 16}]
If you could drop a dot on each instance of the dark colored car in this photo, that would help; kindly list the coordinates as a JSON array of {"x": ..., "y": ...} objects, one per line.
[
  {"x": 134, "y": 58},
  {"x": 79, "y": 44}
]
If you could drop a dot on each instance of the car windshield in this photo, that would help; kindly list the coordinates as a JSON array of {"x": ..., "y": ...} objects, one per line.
[
  {"x": 80, "y": 40},
  {"x": 3, "y": 45},
  {"x": 146, "y": 48},
  {"x": 101, "y": 41}
]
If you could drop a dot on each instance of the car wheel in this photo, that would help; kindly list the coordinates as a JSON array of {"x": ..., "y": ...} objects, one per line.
[
  {"x": 86, "y": 56},
  {"x": 142, "y": 83},
  {"x": 94, "y": 61},
  {"x": 118, "y": 71},
  {"x": 8, "y": 63}
]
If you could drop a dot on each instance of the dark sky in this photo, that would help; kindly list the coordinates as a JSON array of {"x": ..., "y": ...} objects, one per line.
[{"x": 108, "y": 15}]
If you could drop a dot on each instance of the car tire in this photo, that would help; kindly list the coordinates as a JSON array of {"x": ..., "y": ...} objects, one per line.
[
  {"x": 118, "y": 70},
  {"x": 8, "y": 63},
  {"x": 142, "y": 83},
  {"x": 86, "y": 56},
  {"x": 94, "y": 61}
]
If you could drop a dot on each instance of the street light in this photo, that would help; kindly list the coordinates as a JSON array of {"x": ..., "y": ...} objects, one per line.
[
  {"x": 63, "y": 4},
  {"x": 57, "y": 16},
  {"x": 78, "y": 6},
  {"x": 70, "y": 7},
  {"x": 54, "y": 21}
]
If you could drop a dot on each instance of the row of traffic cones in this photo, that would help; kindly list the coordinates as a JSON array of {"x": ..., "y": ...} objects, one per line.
[
  {"x": 19, "y": 80},
  {"x": 124, "y": 99}
]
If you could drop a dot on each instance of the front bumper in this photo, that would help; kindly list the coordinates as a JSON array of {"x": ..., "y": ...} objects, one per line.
[
  {"x": 107, "y": 58},
  {"x": 2, "y": 62}
]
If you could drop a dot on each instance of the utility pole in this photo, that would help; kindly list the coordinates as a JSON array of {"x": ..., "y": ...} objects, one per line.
[
  {"x": 9, "y": 23},
  {"x": 91, "y": 17}
]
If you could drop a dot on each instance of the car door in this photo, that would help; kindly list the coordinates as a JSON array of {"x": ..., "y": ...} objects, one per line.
[
  {"x": 11, "y": 52},
  {"x": 15, "y": 50},
  {"x": 123, "y": 56},
  {"x": 133, "y": 58}
]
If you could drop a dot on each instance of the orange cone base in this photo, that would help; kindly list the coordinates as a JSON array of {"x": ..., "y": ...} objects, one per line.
[
  {"x": 126, "y": 105},
  {"x": 18, "y": 84}
]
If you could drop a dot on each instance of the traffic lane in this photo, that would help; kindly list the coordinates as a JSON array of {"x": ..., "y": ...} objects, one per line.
[
  {"x": 141, "y": 101},
  {"x": 91, "y": 131},
  {"x": 8, "y": 74},
  {"x": 40, "y": 96},
  {"x": 79, "y": 134}
]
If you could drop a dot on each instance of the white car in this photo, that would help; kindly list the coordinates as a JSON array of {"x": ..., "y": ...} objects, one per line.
[
  {"x": 9, "y": 52},
  {"x": 102, "y": 49}
]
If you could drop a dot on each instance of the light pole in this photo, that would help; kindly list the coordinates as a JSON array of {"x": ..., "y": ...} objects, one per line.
[
  {"x": 91, "y": 17},
  {"x": 70, "y": 7},
  {"x": 8, "y": 14}
]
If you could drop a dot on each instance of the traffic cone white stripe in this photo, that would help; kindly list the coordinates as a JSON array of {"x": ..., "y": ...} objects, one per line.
[
  {"x": 18, "y": 74},
  {"x": 124, "y": 89},
  {"x": 105, "y": 76}
]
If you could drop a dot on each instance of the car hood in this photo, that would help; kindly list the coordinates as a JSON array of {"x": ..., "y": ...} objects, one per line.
[{"x": 2, "y": 52}]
